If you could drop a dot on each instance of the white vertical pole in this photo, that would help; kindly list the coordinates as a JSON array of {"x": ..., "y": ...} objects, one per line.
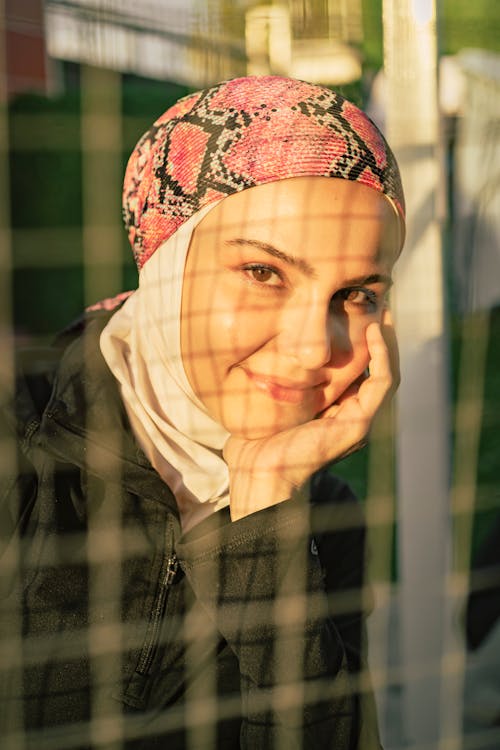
[
  {"x": 423, "y": 421},
  {"x": 268, "y": 40}
]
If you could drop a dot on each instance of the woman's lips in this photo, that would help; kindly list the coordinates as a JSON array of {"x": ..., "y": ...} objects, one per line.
[{"x": 284, "y": 390}]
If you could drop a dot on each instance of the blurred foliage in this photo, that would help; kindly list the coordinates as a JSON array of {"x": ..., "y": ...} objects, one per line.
[
  {"x": 373, "y": 46},
  {"x": 469, "y": 24},
  {"x": 488, "y": 483},
  {"x": 46, "y": 196},
  {"x": 487, "y": 498}
]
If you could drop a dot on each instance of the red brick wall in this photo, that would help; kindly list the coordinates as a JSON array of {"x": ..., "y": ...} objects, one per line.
[{"x": 25, "y": 55}]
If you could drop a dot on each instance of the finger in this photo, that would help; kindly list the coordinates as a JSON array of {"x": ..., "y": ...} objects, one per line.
[
  {"x": 380, "y": 383},
  {"x": 349, "y": 393},
  {"x": 390, "y": 338}
]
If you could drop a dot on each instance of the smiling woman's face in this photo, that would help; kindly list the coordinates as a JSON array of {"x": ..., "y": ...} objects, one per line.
[{"x": 281, "y": 282}]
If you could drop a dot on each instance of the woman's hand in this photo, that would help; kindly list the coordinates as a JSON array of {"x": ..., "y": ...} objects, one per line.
[{"x": 265, "y": 472}]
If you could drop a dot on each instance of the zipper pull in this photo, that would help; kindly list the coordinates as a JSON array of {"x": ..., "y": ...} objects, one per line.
[{"x": 170, "y": 573}]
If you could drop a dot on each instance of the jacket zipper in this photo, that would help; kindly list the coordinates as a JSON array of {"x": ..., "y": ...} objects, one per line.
[{"x": 154, "y": 626}]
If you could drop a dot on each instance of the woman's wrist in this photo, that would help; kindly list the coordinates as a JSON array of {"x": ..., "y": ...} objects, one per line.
[{"x": 255, "y": 494}]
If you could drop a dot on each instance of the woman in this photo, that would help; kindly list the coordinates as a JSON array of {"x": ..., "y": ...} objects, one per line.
[{"x": 190, "y": 578}]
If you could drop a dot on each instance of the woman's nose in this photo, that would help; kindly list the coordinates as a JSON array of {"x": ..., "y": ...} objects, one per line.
[{"x": 307, "y": 335}]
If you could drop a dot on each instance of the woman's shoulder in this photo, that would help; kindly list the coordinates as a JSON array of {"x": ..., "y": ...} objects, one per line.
[
  {"x": 37, "y": 369},
  {"x": 328, "y": 488}
]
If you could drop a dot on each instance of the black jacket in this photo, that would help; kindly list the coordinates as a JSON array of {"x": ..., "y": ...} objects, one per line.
[{"x": 119, "y": 631}]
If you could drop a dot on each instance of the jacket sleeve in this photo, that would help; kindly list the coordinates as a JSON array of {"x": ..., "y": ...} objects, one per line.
[
  {"x": 20, "y": 414},
  {"x": 18, "y": 487},
  {"x": 261, "y": 582}
]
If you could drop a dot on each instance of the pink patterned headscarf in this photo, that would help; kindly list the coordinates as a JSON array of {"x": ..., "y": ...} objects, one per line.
[{"x": 242, "y": 133}]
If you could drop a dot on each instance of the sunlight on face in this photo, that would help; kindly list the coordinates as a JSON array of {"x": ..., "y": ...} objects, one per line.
[{"x": 280, "y": 284}]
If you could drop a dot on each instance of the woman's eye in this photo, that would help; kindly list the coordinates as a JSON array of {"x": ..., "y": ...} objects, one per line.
[
  {"x": 263, "y": 275},
  {"x": 357, "y": 296},
  {"x": 366, "y": 298}
]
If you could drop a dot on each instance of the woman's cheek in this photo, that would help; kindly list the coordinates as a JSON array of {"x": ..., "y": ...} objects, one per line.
[
  {"x": 223, "y": 333},
  {"x": 237, "y": 330},
  {"x": 358, "y": 347},
  {"x": 348, "y": 342}
]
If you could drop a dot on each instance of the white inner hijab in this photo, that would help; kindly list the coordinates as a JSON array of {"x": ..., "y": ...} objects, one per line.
[{"x": 142, "y": 347}]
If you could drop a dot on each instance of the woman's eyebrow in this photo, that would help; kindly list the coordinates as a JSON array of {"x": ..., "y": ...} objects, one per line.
[
  {"x": 292, "y": 260},
  {"x": 374, "y": 278}
]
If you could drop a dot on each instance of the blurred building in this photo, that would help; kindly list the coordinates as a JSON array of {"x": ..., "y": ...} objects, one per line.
[
  {"x": 199, "y": 42},
  {"x": 24, "y": 53}
]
